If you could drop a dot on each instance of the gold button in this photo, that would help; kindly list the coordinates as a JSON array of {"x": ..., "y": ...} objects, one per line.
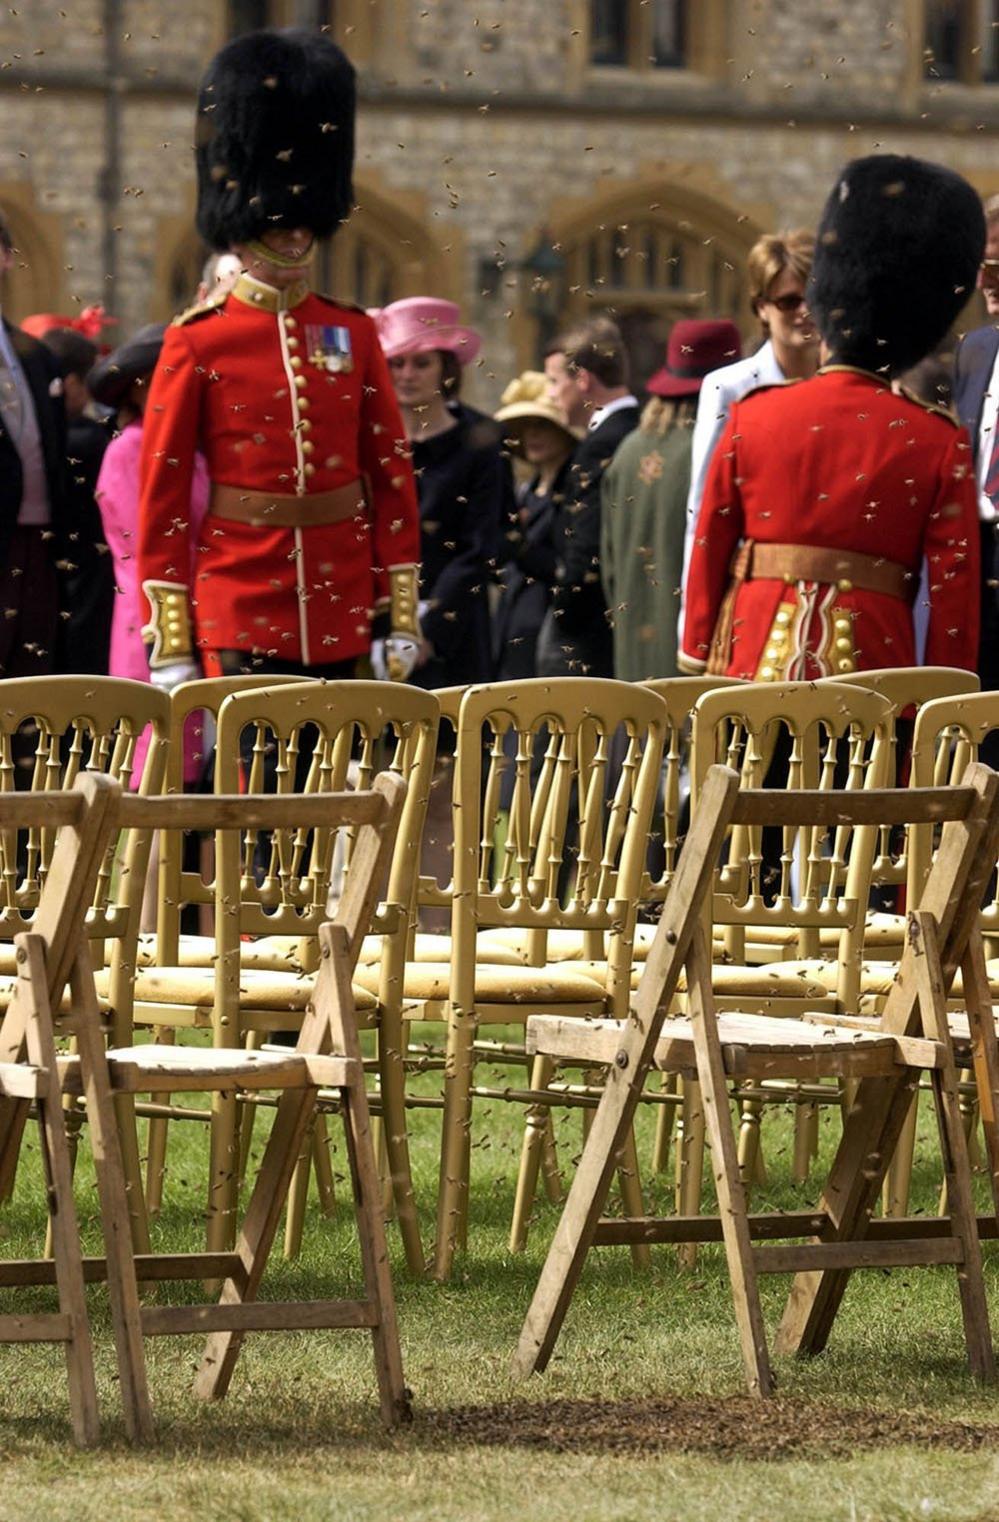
[
  {"x": 844, "y": 585},
  {"x": 844, "y": 644},
  {"x": 300, "y": 381},
  {"x": 290, "y": 321},
  {"x": 310, "y": 470},
  {"x": 767, "y": 674},
  {"x": 305, "y": 425},
  {"x": 844, "y": 666},
  {"x": 291, "y": 342},
  {"x": 772, "y": 653},
  {"x": 307, "y": 446},
  {"x": 303, "y": 401},
  {"x": 295, "y": 362},
  {"x": 842, "y": 625},
  {"x": 788, "y": 577},
  {"x": 783, "y": 618}
]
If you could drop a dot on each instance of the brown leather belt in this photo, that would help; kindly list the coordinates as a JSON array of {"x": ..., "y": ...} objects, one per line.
[
  {"x": 273, "y": 510},
  {"x": 845, "y": 569}
]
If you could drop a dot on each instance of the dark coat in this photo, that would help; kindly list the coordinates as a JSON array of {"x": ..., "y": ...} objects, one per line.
[
  {"x": 42, "y": 372},
  {"x": 463, "y": 480},
  {"x": 579, "y": 629},
  {"x": 973, "y": 363},
  {"x": 89, "y": 577},
  {"x": 528, "y": 578}
]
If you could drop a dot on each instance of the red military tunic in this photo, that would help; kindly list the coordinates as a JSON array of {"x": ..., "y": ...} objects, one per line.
[
  {"x": 843, "y": 463},
  {"x": 286, "y": 393}
]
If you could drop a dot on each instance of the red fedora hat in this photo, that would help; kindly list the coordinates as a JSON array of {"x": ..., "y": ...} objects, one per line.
[{"x": 695, "y": 348}]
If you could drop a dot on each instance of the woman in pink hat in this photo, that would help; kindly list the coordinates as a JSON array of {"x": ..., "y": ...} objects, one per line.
[{"x": 463, "y": 480}]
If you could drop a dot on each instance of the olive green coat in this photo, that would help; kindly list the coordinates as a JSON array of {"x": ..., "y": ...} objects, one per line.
[{"x": 643, "y": 518}]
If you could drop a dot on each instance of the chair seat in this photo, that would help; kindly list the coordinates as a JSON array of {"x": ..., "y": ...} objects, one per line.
[
  {"x": 268, "y": 953},
  {"x": 154, "y": 1069},
  {"x": 258, "y": 989},
  {"x": 881, "y": 931},
  {"x": 876, "y": 977},
  {"x": 753, "y": 1046},
  {"x": 496, "y": 985}
]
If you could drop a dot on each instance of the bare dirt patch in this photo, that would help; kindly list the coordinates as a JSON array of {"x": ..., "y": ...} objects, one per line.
[{"x": 737, "y": 1428}]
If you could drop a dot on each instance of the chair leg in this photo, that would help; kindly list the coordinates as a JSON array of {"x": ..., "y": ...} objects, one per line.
[
  {"x": 223, "y": 1179},
  {"x": 689, "y": 1164},
  {"x": 898, "y": 1179},
  {"x": 665, "y": 1123},
  {"x": 535, "y": 1128},
  {"x": 325, "y": 1185},
  {"x": 13, "y": 1118},
  {"x": 630, "y": 1184},
  {"x": 455, "y": 1135},
  {"x": 156, "y": 1143},
  {"x": 804, "y": 1112},
  {"x": 124, "y": 1105},
  {"x": 395, "y": 1129},
  {"x": 957, "y": 1174},
  {"x": 247, "y": 1119},
  {"x": 750, "y": 1117},
  {"x": 551, "y": 1174},
  {"x": 298, "y": 1194}
]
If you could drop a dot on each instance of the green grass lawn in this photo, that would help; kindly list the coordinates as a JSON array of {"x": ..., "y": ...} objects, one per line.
[{"x": 640, "y": 1414}]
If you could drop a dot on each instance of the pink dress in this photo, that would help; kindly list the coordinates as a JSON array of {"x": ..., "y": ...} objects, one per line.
[{"x": 118, "y": 498}]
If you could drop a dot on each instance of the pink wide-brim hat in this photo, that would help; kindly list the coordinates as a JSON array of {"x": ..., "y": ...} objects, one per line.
[{"x": 421, "y": 323}]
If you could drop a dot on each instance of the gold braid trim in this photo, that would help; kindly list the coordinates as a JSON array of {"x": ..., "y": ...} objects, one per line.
[
  {"x": 404, "y": 585},
  {"x": 169, "y": 625}
]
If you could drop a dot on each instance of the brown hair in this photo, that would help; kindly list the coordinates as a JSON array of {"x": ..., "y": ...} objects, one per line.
[
  {"x": 991, "y": 210},
  {"x": 595, "y": 345},
  {"x": 661, "y": 414},
  {"x": 450, "y": 375},
  {"x": 774, "y": 253}
]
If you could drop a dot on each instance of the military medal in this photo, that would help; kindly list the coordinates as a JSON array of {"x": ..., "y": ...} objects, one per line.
[{"x": 329, "y": 348}]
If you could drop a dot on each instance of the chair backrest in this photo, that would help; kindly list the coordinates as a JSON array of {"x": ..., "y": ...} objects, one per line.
[
  {"x": 570, "y": 852},
  {"x": 54, "y": 730},
  {"x": 794, "y": 735},
  {"x": 304, "y": 739},
  {"x": 679, "y": 693},
  {"x": 947, "y": 737},
  {"x": 908, "y": 688}
]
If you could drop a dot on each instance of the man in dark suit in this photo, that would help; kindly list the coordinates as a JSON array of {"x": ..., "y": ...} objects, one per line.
[
  {"x": 32, "y": 495},
  {"x": 976, "y": 400},
  {"x": 587, "y": 370}
]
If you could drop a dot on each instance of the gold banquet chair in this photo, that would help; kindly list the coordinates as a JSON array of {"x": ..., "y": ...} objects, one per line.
[
  {"x": 270, "y": 896},
  {"x": 536, "y": 882},
  {"x": 53, "y": 730},
  {"x": 884, "y": 1057}
]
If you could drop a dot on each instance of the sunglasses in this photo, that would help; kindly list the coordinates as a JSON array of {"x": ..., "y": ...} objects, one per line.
[{"x": 786, "y": 304}]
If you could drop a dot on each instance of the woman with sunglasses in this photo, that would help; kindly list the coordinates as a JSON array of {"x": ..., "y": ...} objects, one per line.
[{"x": 778, "y": 268}]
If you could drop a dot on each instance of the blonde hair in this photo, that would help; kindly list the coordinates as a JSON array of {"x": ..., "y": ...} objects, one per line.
[
  {"x": 774, "y": 253},
  {"x": 660, "y": 415}
]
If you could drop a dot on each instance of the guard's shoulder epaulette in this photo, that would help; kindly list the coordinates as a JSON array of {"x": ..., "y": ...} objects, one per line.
[
  {"x": 936, "y": 407},
  {"x": 777, "y": 385},
  {"x": 200, "y": 309},
  {"x": 345, "y": 306}
]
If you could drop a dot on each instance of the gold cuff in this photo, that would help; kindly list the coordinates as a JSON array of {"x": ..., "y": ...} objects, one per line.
[
  {"x": 169, "y": 625},
  {"x": 404, "y": 586}
]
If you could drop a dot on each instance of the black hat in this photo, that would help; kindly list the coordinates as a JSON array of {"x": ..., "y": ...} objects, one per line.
[
  {"x": 274, "y": 139},
  {"x": 110, "y": 379},
  {"x": 896, "y": 257}
]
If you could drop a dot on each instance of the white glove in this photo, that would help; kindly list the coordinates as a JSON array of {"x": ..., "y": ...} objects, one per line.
[
  {"x": 166, "y": 678},
  {"x": 393, "y": 659}
]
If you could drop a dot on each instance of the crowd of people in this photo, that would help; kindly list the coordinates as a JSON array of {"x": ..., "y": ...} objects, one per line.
[{"x": 303, "y": 487}]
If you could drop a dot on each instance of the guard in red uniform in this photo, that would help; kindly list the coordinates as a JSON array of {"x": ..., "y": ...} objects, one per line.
[
  {"x": 824, "y": 497},
  {"x": 313, "y": 527}
]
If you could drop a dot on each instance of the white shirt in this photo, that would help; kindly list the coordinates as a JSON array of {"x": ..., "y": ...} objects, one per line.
[
  {"x": 600, "y": 413},
  {"x": 718, "y": 392},
  {"x": 986, "y": 435}
]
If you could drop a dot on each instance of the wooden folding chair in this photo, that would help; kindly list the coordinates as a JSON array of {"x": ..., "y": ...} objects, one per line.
[
  {"x": 270, "y": 898},
  {"x": 885, "y": 1058},
  {"x": 327, "y": 1056}
]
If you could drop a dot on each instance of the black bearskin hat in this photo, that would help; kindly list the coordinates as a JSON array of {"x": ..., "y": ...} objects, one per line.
[
  {"x": 896, "y": 257},
  {"x": 274, "y": 140}
]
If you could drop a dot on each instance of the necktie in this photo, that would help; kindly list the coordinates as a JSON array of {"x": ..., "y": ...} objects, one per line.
[{"x": 992, "y": 474}]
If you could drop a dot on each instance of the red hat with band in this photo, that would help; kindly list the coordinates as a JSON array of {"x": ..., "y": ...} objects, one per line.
[{"x": 695, "y": 348}]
